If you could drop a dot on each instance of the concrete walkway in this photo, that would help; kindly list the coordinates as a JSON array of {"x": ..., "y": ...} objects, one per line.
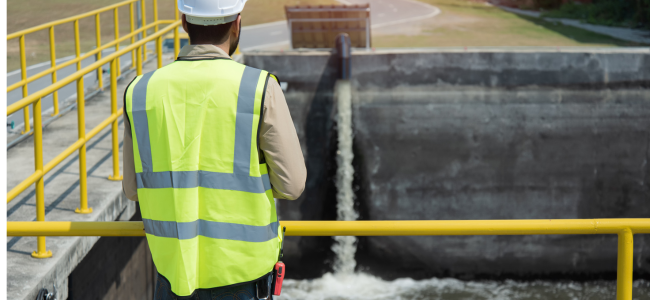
[
  {"x": 626, "y": 34},
  {"x": 26, "y": 275}
]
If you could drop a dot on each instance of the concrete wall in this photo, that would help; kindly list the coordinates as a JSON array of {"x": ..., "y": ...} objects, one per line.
[
  {"x": 480, "y": 135},
  {"x": 115, "y": 268}
]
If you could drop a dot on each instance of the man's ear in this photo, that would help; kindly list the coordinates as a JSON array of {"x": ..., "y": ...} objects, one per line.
[
  {"x": 234, "y": 30},
  {"x": 184, "y": 21}
]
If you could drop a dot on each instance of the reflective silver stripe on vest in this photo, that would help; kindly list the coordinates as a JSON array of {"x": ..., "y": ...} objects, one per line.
[
  {"x": 266, "y": 181},
  {"x": 244, "y": 121},
  {"x": 140, "y": 121},
  {"x": 205, "y": 179},
  {"x": 239, "y": 180},
  {"x": 211, "y": 229}
]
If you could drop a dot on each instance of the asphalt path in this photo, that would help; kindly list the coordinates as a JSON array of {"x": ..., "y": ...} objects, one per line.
[{"x": 383, "y": 13}]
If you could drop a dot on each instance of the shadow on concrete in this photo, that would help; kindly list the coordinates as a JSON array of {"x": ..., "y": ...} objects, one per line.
[
  {"x": 115, "y": 266},
  {"x": 320, "y": 191}
]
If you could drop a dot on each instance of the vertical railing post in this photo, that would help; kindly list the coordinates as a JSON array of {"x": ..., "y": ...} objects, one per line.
[
  {"x": 625, "y": 265},
  {"x": 144, "y": 32},
  {"x": 81, "y": 124},
  {"x": 23, "y": 72},
  {"x": 116, "y": 147},
  {"x": 138, "y": 13},
  {"x": 177, "y": 44},
  {"x": 159, "y": 51},
  {"x": 155, "y": 14},
  {"x": 138, "y": 63},
  {"x": 81, "y": 121},
  {"x": 116, "y": 20},
  {"x": 98, "y": 38},
  {"x": 55, "y": 95},
  {"x": 77, "y": 46},
  {"x": 41, "y": 251},
  {"x": 132, "y": 37}
]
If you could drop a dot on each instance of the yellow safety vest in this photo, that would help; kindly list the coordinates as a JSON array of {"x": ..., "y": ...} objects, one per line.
[{"x": 206, "y": 201}]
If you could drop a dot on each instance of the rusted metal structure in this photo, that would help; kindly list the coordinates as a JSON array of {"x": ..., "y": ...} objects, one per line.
[{"x": 318, "y": 26}]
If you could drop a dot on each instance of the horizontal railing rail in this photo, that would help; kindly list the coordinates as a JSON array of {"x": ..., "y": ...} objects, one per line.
[
  {"x": 364, "y": 228},
  {"x": 138, "y": 52},
  {"x": 624, "y": 228},
  {"x": 84, "y": 56},
  {"x": 79, "y": 74},
  {"x": 20, "y": 35},
  {"x": 69, "y": 19},
  {"x": 61, "y": 83}
]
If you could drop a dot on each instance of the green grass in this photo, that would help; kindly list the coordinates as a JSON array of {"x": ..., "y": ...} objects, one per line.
[{"x": 467, "y": 23}]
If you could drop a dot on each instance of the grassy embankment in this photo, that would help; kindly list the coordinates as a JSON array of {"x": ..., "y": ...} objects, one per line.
[
  {"x": 470, "y": 23},
  {"x": 28, "y": 13}
]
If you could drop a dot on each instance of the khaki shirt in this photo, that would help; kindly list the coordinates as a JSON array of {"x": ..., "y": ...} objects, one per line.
[{"x": 278, "y": 139}]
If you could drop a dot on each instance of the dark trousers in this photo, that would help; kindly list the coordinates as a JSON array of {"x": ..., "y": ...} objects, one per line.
[{"x": 239, "y": 292}]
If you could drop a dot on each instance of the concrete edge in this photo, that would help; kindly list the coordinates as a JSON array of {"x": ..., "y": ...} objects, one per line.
[
  {"x": 118, "y": 208},
  {"x": 521, "y": 49}
]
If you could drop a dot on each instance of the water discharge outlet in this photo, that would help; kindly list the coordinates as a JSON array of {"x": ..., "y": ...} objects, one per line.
[{"x": 345, "y": 246}]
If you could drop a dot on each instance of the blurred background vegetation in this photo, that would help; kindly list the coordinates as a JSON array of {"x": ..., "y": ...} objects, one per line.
[{"x": 623, "y": 13}]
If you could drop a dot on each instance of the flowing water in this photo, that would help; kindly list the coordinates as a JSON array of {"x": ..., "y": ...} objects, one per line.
[
  {"x": 345, "y": 284},
  {"x": 360, "y": 286},
  {"x": 344, "y": 246}
]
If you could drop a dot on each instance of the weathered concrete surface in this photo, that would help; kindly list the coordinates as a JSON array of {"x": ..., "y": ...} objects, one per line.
[
  {"x": 26, "y": 275},
  {"x": 520, "y": 134},
  {"x": 571, "y": 68},
  {"x": 499, "y": 154},
  {"x": 115, "y": 268}
]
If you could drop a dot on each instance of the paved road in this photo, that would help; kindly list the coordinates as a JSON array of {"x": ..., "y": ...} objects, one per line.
[{"x": 383, "y": 13}]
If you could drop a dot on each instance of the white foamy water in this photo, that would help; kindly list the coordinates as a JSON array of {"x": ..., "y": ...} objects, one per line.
[
  {"x": 360, "y": 286},
  {"x": 344, "y": 246}
]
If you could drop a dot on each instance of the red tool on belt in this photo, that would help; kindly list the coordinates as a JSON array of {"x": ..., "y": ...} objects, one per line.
[{"x": 279, "y": 269}]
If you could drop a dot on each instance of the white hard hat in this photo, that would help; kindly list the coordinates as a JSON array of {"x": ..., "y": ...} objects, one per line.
[{"x": 211, "y": 12}]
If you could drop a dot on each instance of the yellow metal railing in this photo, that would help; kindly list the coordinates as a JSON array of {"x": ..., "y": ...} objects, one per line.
[
  {"x": 35, "y": 99},
  {"x": 78, "y": 57},
  {"x": 52, "y": 70},
  {"x": 624, "y": 228}
]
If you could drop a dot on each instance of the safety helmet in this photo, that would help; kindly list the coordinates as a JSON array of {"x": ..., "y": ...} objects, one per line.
[{"x": 210, "y": 12}]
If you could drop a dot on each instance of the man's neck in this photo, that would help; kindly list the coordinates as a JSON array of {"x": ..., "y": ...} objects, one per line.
[{"x": 225, "y": 46}]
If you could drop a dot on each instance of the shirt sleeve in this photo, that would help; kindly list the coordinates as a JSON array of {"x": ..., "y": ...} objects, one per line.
[
  {"x": 129, "y": 184},
  {"x": 280, "y": 145}
]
